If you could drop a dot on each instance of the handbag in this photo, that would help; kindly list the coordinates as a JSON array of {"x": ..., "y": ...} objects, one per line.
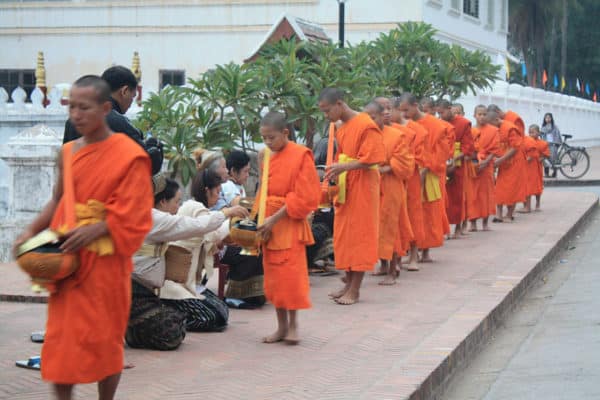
[
  {"x": 149, "y": 267},
  {"x": 41, "y": 256}
]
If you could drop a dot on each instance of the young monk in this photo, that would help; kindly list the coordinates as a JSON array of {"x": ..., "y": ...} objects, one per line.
[
  {"x": 535, "y": 151},
  {"x": 417, "y": 136},
  {"x": 356, "y": 225},
  {"x": 434, "y": 171},
  {"x": 458, "y": 109},
  {"x": 427, "y": 105},
  {"x": 293, "y": 193},
  {"x": 393, "y": 195},
  {"x": 88, "y": 311},
  {"x": 460, "y": 182},
  {"x": 510, "y": 182},
  {"x": 487, "y": 145}
]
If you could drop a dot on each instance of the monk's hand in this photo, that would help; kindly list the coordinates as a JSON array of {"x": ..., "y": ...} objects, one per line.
[
  {"x": 423, "y": 173},
  {"x": 385, "y": 169},
  {"x": 78, "y": 238},
  {"x": 22, "y": 238},
  {"x": 236, "y": 211},
  {"x": 266, "y": 228},
  {"x": 334, "y": 170}
]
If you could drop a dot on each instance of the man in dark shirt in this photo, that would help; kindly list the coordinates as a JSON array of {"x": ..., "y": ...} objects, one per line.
[{"x": 123, "y": 86}]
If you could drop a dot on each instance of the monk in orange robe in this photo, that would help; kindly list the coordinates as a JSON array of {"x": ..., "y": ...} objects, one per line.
[
  {"x": 394, "y": 171},
  {"x": 510, "y": 183},
  {"x": 487, "y": 144},
  {"x": 356, "y": 224},
  {"x": 416, "y": 137},
  {"x": 535, "y": 151},
  {"x": 513, "y": 117},
  {"x": 427, "y": 106},
  {"x": 88, "y": 311},
  {"x": 293, "y": 192},
  {"x": 434, "y": 171},
  {"x": 459, "y": 182}
]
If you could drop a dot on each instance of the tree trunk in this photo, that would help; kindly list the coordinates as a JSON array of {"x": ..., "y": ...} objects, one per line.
[
  {"x": 552, "y": 57},
  {"x": 563, "y": 47}
]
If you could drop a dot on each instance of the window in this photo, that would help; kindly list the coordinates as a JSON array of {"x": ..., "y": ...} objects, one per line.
[
  {"x": 10, "y": 79},
  {"x": 173, "y": 77},
  {"x": 471, "y": 7},
  {"x": 490, "y": 14}
]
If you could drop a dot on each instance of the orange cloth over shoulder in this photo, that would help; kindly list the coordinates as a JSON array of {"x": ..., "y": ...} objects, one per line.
[
  {"x": 487, "y": 142},
  {"x": 87, "y": 316},
  {"x": 511, "y": 181},
  {"x": 393, "y": 215},
  {"x": 293, "y": 182},
  {"x": 416, "y": 145},
  {"x": 356, "y": 223},
  {"x": 436, "y": 153},
  {"x": 459, "y": 183},
  {"x": 513, "y": 117}
]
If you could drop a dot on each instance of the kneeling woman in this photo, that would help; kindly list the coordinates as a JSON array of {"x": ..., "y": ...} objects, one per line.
[
  {"x": 152, "y": 324},
  {"x": 203, "y": 309}
]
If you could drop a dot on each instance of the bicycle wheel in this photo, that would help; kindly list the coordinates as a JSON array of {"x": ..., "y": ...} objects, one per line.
[{"x": 574, "y": 163}]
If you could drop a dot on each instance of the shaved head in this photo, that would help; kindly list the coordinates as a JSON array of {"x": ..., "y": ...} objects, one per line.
[
  {"x": 100, "y": 86},
  {"x": 275, "y": 120},
  {"x": 331, "y": 95},
  {"x": 405, "y": 98}
]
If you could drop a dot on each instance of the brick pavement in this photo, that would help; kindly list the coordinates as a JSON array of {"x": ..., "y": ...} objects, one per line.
[{"x": 399, "y": 342}]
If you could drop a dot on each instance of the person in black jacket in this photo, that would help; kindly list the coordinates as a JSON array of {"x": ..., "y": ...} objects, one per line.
[{"x": 123, "y": 86}]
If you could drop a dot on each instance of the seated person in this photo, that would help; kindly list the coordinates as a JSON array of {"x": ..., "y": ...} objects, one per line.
[
  {"x": 204, "y": 310},
  {"x": 245, "y": 280},
  {"x": 152, "y": 324}
]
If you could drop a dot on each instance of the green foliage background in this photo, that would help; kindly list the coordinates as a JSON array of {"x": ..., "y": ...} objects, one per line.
[{"x": 221, "y": 108}]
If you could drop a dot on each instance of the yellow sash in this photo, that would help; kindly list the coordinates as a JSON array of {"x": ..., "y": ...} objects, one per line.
[
  {"x": 457, "y": 163},
  {"x": 342, "y": 159},
  {"x": 432, "y": 188},
  {"x": 264, "y": 184},
  {"x": 88, "y": 214}
]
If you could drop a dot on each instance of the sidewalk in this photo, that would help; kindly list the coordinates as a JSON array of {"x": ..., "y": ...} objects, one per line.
[
  {"x": 399, "y": 342},
  {"x": 592, "y": 177}
]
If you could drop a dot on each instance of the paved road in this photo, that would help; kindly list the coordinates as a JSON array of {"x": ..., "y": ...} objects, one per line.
[{"x": 549, "y": 348}]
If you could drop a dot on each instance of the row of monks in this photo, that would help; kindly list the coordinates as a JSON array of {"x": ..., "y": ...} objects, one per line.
[{"x": 411, "y": 175}]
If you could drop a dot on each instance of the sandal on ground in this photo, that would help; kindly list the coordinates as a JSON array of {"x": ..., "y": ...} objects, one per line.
[
  {"x": 32, "y": 363},
  {"x": 498, "y": 220},
  {"x": 37, "y": 337}
]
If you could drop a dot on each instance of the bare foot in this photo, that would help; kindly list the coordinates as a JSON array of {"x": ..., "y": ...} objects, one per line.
[
  {"x": 274, "y": 338},
  {"x": 347, "y": 299},
  {"x": 388, "y": 281},
  {"x": 338, "y": 293},
  {"x": 426, "y": 260},
  {"x": 524, "y": 211},
  {"x": 412, "y": 267},
  {"x": 344, "y": 279},
  {"x": 292, "y": 337},
  {"x": 486, "y": 229},
  {"x": 464, "y": 233},
  {"x": 472, "y": 229},
  {"x": 378, "y": 272}
]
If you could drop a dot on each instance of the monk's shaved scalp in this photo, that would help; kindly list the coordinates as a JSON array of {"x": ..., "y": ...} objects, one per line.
[
  {"x": 100, "y": 86},
  {"x": 534, "y": 127},
  {"x": 331, "y": 95},
  {"x": 406, "y": 98},
  {"x": 373, "y": 105},
  {"x": 427, "y": 101},
  {"x": 275, "y": 120},
  {"x": 495, "y": 108},
  {"x": 492, "y": 114},
  {"x": 458, "y": 105},
  {"x": 443, "y": 103},
  {"x": 477, "y": 107}
]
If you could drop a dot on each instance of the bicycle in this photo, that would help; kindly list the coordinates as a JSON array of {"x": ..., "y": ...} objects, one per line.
[{"x": 573, "y": 162}]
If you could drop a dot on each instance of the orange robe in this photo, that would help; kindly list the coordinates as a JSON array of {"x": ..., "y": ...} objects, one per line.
[
  {"x": 513, "y": 117},
  {"x": 87, "y": 316},
  {"x": 450, "y": 138},
  {"x": 404, "y": 166},
  {"x": 356, "y": 222},
  {"x": 416, "y": 145},
  {"x": 456, "y": 186},
  {"x": 533, "y": 154},
  {"x": 511, "y": 184},
  {"x": 436, "y": 155},
  {"x": 487, "y": 141},
  {"x": 293, "y": 182},
  {"x": 544, "y": 152}
]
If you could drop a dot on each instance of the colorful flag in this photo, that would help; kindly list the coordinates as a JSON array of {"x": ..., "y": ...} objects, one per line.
[
  {"x": 577, "y": 85},
  {"x": 587, "y": 88},
  {"x": 595, "y": 98},
  {"x": 544, "y": 78},
  {"x": 555, "y": 81},
  {"x": 523, "y": 69},
  {"x": 563, "y": 84}
]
